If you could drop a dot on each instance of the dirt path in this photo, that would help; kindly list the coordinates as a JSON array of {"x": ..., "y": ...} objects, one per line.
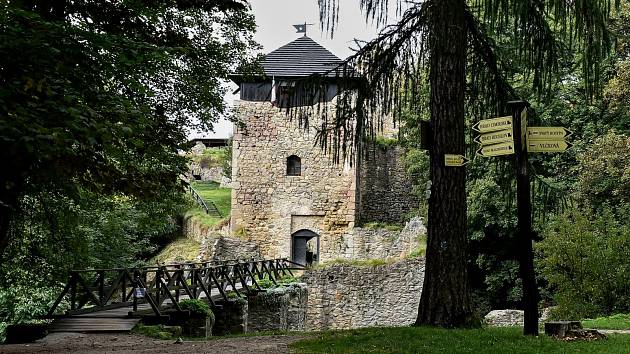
[{"x": 131, "y": 343}]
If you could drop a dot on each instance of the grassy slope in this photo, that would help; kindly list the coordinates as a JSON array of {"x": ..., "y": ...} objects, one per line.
[
  {"x": 221, "y": 197},
  {"x": 181, "y": 249},
  {"x": 184, "y": 249},
  {"x": 435, "y": 340}
]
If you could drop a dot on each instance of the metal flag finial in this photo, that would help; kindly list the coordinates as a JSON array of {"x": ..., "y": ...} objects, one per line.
[{"x": 301, "y": 28}]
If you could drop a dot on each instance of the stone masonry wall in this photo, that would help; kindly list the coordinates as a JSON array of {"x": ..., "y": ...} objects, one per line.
[
  {"x": 345, "y": 296},
  {"x": 267, "y": 205},
  {"x": 383, "y": 243},
  {"x": 279, "y": 309},
  {"x": 385, "y": 186}
]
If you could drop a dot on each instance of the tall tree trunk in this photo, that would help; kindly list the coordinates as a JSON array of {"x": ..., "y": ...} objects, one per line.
[{"x": 445, "y": 299}]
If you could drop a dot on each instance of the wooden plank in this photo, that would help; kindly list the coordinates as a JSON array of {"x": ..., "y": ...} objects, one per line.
[{"x": 87, "y": 324}]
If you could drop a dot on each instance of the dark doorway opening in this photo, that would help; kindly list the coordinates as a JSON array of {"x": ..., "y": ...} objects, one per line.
[{"x": 305, "y": 247}]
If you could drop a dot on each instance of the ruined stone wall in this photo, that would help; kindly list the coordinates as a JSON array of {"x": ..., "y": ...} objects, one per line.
[
  {"x": 346, "y": 296},
  {"x": 383, "y": 243},
  {"x": 385, "y": 186},
  {"x": 279, "y": 309},
  {"x": 267, "y": 205}
]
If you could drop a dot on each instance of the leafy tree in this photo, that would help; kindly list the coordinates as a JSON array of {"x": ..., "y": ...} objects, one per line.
[
  {"x": 584, "y": 257},
  {"x": 96, "y": 95},
  {"x": 457, "y": 48}
]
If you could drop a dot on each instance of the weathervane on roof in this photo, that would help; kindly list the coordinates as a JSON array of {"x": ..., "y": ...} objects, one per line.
[{"x": 301, "y": 28}]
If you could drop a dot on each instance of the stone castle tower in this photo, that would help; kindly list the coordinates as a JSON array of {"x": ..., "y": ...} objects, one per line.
[{"x": 288, "y": 195}]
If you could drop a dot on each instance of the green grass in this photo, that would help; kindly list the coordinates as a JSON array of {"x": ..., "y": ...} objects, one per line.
[
  {"x": 618, "y": 321},
  {"x": 421, "y": 250},
  {"x": 157, "y": 331},
  {"x": 373, "y": 225},
  {"x": 181, "y": 249},
  {"x": 435, "y": 340},
  {"x": 207, "y": 220},
  {"x": 222, "y": 197}
]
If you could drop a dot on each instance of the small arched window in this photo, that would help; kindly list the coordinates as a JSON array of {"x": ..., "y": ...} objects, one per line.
[{"x": 294, "y": 166}]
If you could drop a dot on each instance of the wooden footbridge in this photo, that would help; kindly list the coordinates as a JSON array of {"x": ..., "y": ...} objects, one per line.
[{"x": 116, "y": 299}]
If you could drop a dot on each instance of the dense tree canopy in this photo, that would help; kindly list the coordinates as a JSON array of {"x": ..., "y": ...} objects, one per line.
[{"x": 97, "y": 95}]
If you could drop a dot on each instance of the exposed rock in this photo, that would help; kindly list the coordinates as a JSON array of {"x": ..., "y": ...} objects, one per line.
[
  {"x": 504, "y": 318},
  {"x": 227, "y": 248}
]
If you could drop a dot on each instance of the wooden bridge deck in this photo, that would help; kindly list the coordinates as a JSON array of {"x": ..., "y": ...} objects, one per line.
[{"x": 94, "y": 308}]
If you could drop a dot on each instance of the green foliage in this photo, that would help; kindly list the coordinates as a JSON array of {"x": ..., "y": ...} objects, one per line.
[
  {"x": 618, "y": 321},
  {"x": 440, "y": 340},
  {"x": 604, "y": 172},
  {"x": 227, "y": 161},
  {"x": 384, "y": 143},
  {"x": 374, "y": 225},
  {"x": 417, "y": 166},
  {"x": 421, "y": 250},
  {"x": 93, "y": 232},
  {"x": 287, "y": 280},
  {"x": 196, "y": 307},
  {"x": 157, "y": 331},
  {"x": 583, "y": 256},
  {"x": 102, "y": 94},
  {"x": 265, "y": 283},
  {"x": 211, "y": 157}
]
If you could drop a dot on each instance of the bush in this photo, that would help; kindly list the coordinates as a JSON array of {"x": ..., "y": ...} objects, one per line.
[
  {"x": 265, "y": 283},
  {"x": 584, "y": 257},
  {"x": 196, "y": 307}
]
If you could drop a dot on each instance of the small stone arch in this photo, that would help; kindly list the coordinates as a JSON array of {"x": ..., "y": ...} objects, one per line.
[
  {"x": 305, "y": 247},
  {"x": 294, "y": 165}
]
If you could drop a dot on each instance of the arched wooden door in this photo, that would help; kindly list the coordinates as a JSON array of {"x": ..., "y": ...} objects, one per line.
[{"x": 304, "y": 247}]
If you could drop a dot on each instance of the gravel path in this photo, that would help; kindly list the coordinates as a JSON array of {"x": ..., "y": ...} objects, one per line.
[{"x": 132, "y": 343}]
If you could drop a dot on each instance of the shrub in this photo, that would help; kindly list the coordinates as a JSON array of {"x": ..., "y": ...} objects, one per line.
[
  {"x": 196, "y": 307},
  {"x": 265, "y": 283},
  {"x": 584, "y": 258}
]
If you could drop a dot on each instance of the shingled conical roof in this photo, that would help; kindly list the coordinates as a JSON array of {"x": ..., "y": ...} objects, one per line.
[{"x": 302, "y": 57}]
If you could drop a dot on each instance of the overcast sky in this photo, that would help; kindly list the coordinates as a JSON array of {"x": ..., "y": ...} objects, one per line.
[{"x": 275, "y": 20}]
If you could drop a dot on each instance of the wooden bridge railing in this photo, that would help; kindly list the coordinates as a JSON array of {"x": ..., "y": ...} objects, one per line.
[{"x": 163, "y": 286}]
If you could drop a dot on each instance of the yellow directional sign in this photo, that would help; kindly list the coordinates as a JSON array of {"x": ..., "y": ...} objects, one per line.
[
  {"x": 547, "y": 133},
  {"x": 496, "y": 149},
  {"x": 494, "y": 124},
  {"x": 500, "y": 136},
  {"x": 451, "y": 160},
  {"x": 547, "y": 145}
]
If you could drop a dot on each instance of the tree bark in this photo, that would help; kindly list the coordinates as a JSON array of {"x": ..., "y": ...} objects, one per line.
[{"x": 445, "y": 299}]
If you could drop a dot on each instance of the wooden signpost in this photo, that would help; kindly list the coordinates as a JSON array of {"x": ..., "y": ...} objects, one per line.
[
  {"x": 452, "y": 160},
  {"x": 495, "y": 137},
  {"x": 511, "y": 135},
  {"x": 547, "y": 146}
]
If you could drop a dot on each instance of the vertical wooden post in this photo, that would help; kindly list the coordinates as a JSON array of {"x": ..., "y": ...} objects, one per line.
[
  {"x": 73, "y": 291},
  {"x": 124, "y": 286},
  {"x": 524, "y": 210},
  {"x": 101, "y": 287}
]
